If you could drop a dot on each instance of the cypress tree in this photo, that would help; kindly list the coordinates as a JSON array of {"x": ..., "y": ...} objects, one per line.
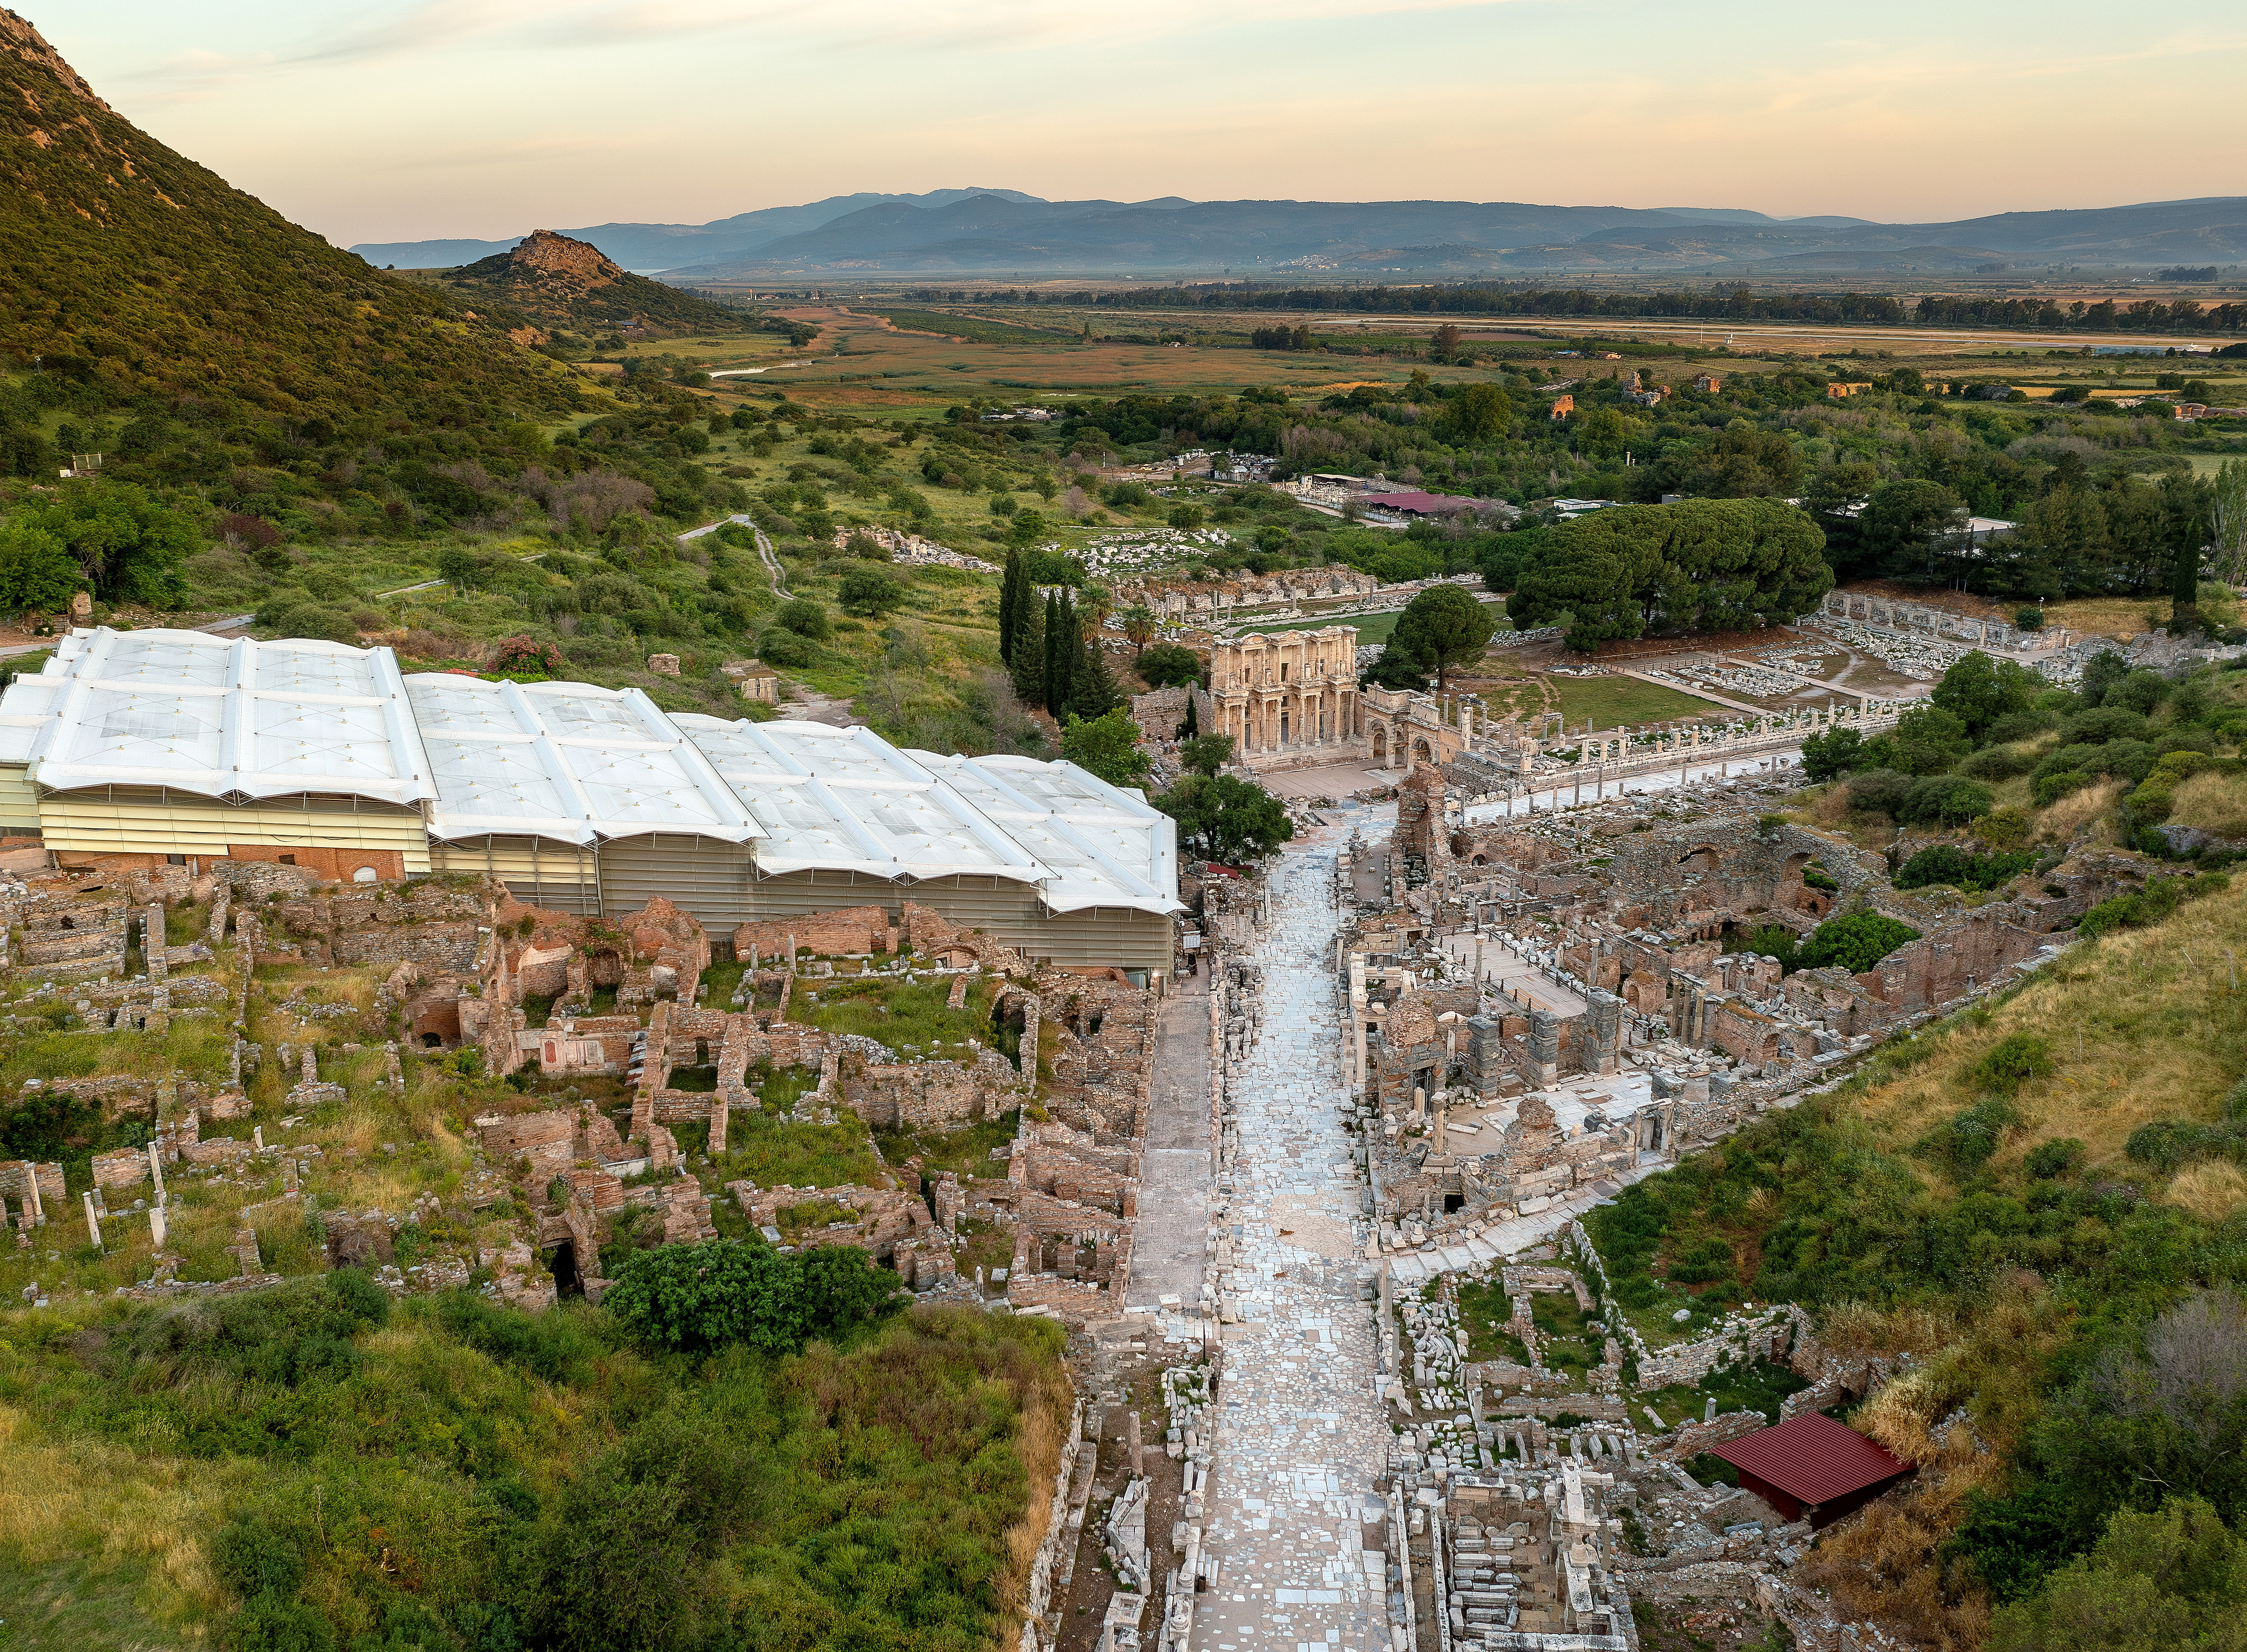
[
  {"x": 1028, "y": 667},
  {"x": 1191, "y": 727},
  {"x": 2184, "y": 582},
  {"x": 1010, "y": 608},
  {"x": 1092, "y": 685},
  {"x": 1064, "y": 647}
]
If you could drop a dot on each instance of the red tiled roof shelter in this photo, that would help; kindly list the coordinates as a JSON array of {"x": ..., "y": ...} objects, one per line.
[
  {"x": 1812, "y": 1468},
  {"x": 1414, "y": 502}
]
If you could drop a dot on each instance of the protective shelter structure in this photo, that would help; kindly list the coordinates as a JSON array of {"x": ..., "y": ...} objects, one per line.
[
  {"x": 155, "y": 746},
  {"x": 1812, "y": 1468}
]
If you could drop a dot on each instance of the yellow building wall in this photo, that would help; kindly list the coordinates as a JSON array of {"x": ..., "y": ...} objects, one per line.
[
  {"x": 94, "y": 823},
  {"x": 19, "y": 802}
]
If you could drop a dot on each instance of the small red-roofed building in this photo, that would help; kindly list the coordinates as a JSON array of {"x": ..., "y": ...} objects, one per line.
[{"x": 1812, "y": 1468}]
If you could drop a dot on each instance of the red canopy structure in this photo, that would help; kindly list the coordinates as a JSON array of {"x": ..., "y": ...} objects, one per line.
[{"x": 1812, "y": 1468}]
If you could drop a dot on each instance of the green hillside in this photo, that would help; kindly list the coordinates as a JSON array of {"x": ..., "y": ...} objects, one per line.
[{"x": 134, "y": 272}]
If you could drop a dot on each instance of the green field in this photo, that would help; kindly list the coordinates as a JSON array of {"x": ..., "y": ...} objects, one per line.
[
  {"x": 974, "y": 329},
  {"x": 1610, "y": 701}
]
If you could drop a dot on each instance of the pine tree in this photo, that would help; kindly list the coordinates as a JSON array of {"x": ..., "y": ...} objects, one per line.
[
  {"x": 1028, "y": 667},
  {"x": 1010, "y": 608}
]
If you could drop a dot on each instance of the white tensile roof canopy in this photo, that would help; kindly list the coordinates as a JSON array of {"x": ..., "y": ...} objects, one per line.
[
  {"x": 238, "y": 721},
  {"x": 229, "y": 720}
]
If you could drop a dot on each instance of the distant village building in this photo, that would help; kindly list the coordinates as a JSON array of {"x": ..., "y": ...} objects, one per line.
[
  {"x": 1562, "y": 406},
  {"x": 1841, "y": 392}
]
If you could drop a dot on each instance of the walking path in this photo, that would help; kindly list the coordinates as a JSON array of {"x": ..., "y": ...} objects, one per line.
[{"x": 1301, "y": 1442}]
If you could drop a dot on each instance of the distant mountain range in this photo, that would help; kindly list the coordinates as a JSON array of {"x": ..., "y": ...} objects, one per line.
[{"x": 957, "y": 232}]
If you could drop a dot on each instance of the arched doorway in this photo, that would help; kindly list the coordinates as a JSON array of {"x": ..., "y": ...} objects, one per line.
[
  {"x": 1421, "y": 753},
  {"x": 1380, "y": 746}
]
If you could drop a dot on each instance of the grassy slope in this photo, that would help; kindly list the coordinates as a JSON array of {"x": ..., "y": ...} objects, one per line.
[
  {"x": 158, "y": 276},
  {"x": 1861, "y": 1205}
]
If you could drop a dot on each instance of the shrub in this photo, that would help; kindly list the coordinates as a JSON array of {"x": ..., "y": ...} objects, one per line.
[
  {"x": 1879, "y": 791},
  {"x": 1831, "y": 754},
  {"x": 1945, "y": 800},
  {"x": 1770, "y": 941},
  {"x": 2148, "y": 905},
  {"x": 1856, "y": 941},
  {"x": 525, "y": 656},
  {"x": 2012, "y": 1062},
  {"x": 698, "y": 1298},
  {"x": 1947, "y": 863},
  {"x": 2169, "y": 1144},
  {"x": 2141, "y": 691},
  {"x": 2028, "y": 618},
  {"x": 2101, "y": 724},
  {"x": 272, "y": 1623},
  {"x": 805, "y": 617},
  {"x": 779, "y": 646},
  {"x": 2049, "y": 1159},
  {"x": 1998, "y": 762},
  {"x": 2049, "y": 788},
  {"x": 2018, "y": 726},
  {"x": 2004, "y": 828},
  {"x": 1965, "y": 1141},
  {"x": 251, "y": 1557}
]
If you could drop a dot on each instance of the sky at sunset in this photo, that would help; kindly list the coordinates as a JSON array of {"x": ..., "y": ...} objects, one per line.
[{"x": 397, "y": 118}]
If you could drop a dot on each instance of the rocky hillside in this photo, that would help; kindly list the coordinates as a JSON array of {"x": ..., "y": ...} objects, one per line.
[
  {"x": 133, "y": 270},
  {"x": 551, "y": 281}
]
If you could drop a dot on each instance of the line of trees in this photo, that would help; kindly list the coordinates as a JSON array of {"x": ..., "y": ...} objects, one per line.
[{"x": 1050, "y": 650}]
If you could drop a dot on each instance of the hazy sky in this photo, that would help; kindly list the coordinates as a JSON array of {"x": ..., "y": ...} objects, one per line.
[{"x": 392, "y": 119}]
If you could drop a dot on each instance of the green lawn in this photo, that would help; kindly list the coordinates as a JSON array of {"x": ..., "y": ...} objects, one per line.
[{"x": 1609, "y": 701}]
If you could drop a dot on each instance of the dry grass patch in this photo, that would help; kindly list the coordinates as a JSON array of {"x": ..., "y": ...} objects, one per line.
[
  {"x": 2090, "y": 810},
  {"x": 86, "y": 1500},
  {"x": 2211, "y": 1189},
  {"x": 2213, "y": 801},
  {"x": 2140, "y": 1026}
]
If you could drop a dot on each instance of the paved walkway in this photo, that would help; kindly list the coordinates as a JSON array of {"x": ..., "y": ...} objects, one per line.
[
  {"x": 1170, "y": 1237},
  {"x": 1301, "y": 1442}
]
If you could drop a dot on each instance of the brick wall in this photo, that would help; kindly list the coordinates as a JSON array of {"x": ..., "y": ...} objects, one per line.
[
  {"x": 836, "y": 934},
  {"x": 1695, "y": 1437}
]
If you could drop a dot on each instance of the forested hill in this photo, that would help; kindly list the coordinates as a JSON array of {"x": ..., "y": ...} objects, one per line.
[{"x": 130, "y": 266}]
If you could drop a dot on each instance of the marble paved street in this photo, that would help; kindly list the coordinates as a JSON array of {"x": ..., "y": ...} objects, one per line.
[{"x": 1301, "y": 1442}]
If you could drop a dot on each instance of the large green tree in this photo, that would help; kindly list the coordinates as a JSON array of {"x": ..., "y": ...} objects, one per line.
[
  {"x": 1108, "y": 746},
  {"x": 1978, "y": 690},
  {"x": 1227, "y": 820},
  {"x": 1479, "y": 413},
  {"x": 2171, "y": 1581},
  {"x": 1909, "y": 524},
  {"x": 36, "y": 572},
  {"x": 129, "y": 545},
  {"x": 1442, "y": 628}
]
